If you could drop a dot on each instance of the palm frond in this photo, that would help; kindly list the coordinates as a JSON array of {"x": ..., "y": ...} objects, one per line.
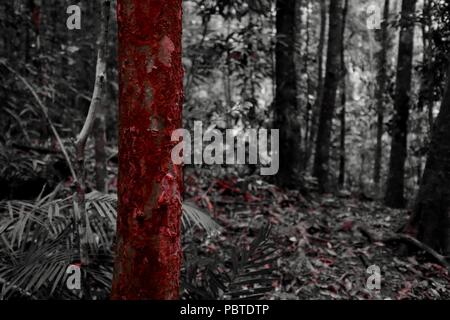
[
  {"x": 37, "y": 242},
  {"x": 247, "y": 273},
  {"x": 194, "y": 216},
  {"x": 253, "y": 268}
]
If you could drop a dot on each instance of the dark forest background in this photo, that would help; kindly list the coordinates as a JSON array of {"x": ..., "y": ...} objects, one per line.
[{"x": 360, "y": 93}]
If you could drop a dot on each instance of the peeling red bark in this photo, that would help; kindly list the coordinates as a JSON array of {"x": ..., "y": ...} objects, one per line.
[{"x": 148, "y": 255}]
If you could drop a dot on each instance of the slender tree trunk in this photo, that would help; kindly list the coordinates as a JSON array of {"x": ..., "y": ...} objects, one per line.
[
  {"x": 342, "y": 157},
  {"x": 298, "y": 46},
  {"x": 28, "y": 24},
  {"x": 381, "y": 93},
  {"x": 301, "y": 61},
  {"x": 319, "y": 88},
  {"x": 101, "y": 170},
  {"x": 148, "y": 254},
  {"x": 100, "y": 149},
  {"x": 285, "y": 108},
  {"x": 341, "y": 179},
  {"x": 395, "y": 184},
  {"x": 36, "y": 16},
  {"x": 307, "y": 109},
  {"x": 227, "y": 80},
  {"x": 6, "y": 30},
  {"x": 430, "y": 221},
  {"x": 426, "y": 88},
  {"x": 422, "y": 138},
  {"x": 80, "y": 144},
  {"x": 328, "y": 105},
  {"x": 427, "y": 74}
]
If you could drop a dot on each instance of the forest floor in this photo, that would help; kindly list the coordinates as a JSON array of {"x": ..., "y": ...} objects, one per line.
[{"x": 323, "y": 251}]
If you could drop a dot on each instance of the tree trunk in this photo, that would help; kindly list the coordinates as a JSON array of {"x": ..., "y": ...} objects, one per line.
[
  {"x": 381, "y": 93},
  {"x": 319, "y": 88},
  {"x": 148, "y": 254},
  {"x": 80, "y": 216},
  {"x": 328, "y": 105},
  {"x": 426, "y": 98},
  {"x": 36, "y": 22},
  {"x": 342, "y": 158},
  {"x": 430, "y": 222},
  {"x": 285, "y": 108},
  {"x": 100, "y": 149},
  {"x": 305, "y": 69},
  {"x": 341, "y": 179},
  {"x": 301, "y": 66},
  {"x": 28, "y": 24},
  {"x": 395, "y": 184},
  {"x": 427, "y": 77}
]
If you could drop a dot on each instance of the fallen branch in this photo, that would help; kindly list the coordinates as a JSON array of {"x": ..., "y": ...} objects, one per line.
[{"x": 406, "y": 238}]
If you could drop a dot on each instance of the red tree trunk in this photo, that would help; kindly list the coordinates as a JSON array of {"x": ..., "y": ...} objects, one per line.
[{"x": 148, "y": 252}]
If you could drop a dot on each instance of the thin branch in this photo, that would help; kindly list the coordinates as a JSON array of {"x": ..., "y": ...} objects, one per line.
[{"x": 100, "y": 78}]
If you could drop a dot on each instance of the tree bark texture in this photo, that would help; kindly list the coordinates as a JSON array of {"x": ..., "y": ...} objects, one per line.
[
  {"x": 319, "y": 89},
  {"x": 286, "y": 111},
  {"x": 343, "y": 94},
  {"x": 430, "y": 222},
  {"x": 328, "y": 105},
  {"x": 148, "y": 254},
  {"x": 381, "y": 93},
  {"x": 395, "y": 183}
]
